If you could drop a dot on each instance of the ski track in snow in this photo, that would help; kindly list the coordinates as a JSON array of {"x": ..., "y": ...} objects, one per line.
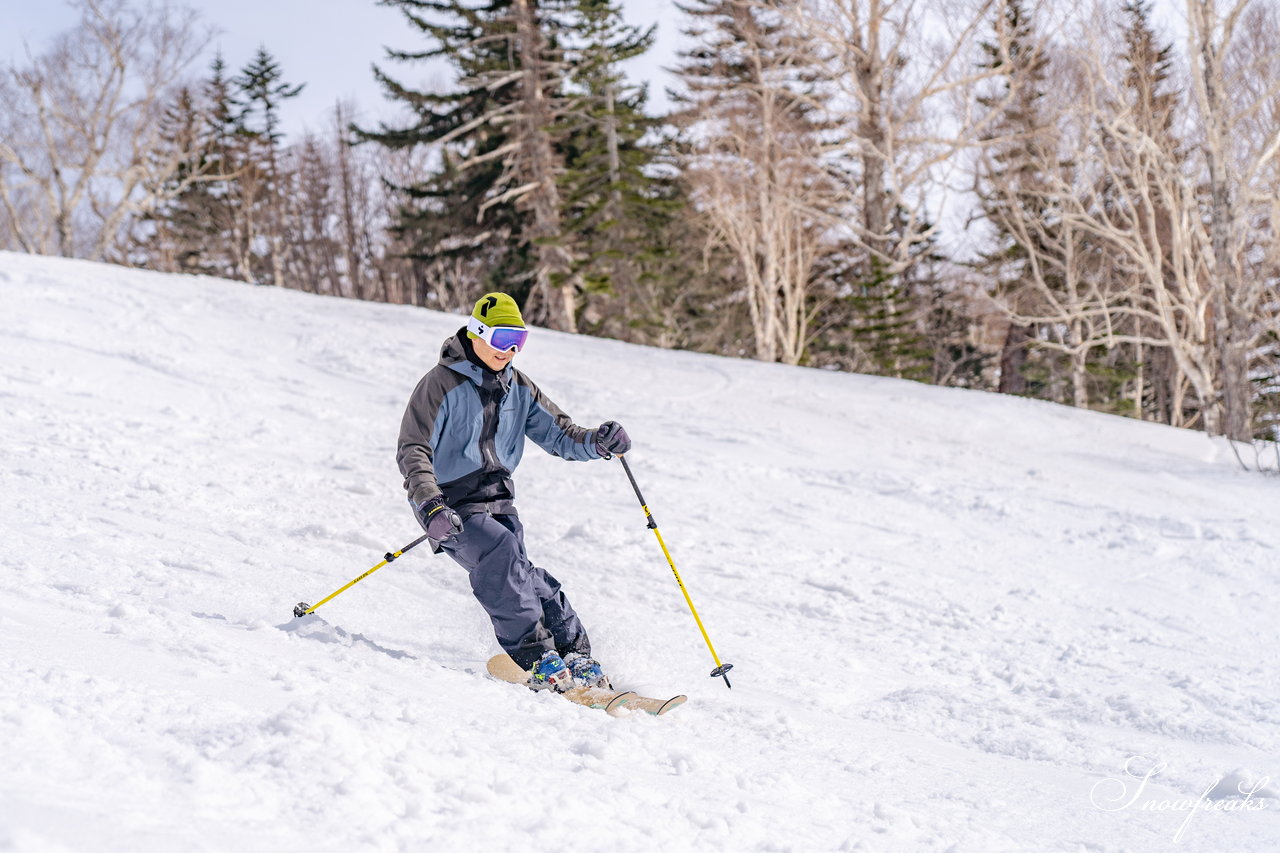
[{"x": 952, "y": 614}]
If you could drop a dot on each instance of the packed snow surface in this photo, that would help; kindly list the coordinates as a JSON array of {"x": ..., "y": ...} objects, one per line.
[{"x": 959, "y": 621}]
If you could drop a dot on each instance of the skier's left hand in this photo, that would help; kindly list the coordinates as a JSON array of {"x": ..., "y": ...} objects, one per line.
[
  {"x": 611, "y": 438},
  {"x": 439, "y": 519}
]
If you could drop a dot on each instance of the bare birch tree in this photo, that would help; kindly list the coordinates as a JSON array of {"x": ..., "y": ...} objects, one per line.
[
  {"x": 906, "y": 74},
  {"x": 1239, "y": 155},
  {"x": 759, "y": 164},
  {"x": 1180, "y": 229},
  {"x": 79, "y": 125}
]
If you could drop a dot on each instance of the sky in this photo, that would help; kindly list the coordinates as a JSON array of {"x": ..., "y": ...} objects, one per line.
[{"x": 329, "y": 45}]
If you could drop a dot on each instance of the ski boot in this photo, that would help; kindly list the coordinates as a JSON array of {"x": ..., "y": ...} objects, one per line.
[
  {"x": 551, "y": 673},
  {"x": 586, "y": 671}
]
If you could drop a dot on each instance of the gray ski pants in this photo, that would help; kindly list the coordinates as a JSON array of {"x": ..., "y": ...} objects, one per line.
[{"x": 529, "y": 612}]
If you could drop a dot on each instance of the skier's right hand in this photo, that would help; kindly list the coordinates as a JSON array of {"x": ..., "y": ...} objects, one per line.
[
  {"x": 611, "y": 438},
  {"x": 439, "y": 520}
]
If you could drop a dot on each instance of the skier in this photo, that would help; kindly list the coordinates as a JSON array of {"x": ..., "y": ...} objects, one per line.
[{"x": 460, "y": 440}]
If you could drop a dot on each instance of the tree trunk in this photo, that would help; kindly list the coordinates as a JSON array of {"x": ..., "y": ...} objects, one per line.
[
  {"x": 1079, "y": 365},
  {"x": 355, "y": 285},
  {"x": 620, "y": 269},
  {"x": 555, "y": 281},
  {"x": 1227, "y": 412},
  {"x": 1013, "y": 355}
]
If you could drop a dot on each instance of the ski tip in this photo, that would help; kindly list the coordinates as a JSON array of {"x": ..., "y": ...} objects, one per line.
[
  {"x": 619, "y": 703},
  {"x": 673, "y": 702}
]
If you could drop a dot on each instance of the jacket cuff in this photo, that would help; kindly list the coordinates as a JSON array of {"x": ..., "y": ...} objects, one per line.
[{"x": 425, "y": 495}]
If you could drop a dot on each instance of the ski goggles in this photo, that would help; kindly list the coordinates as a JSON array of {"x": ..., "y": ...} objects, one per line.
[{"x": 501, "y": 338}]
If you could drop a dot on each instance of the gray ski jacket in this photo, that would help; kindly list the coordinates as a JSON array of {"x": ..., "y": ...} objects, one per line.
[{"x": 463, "y": 432}]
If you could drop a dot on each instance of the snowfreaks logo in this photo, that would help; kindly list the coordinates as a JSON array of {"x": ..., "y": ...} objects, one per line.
[{"x": 1227, "y": 794}]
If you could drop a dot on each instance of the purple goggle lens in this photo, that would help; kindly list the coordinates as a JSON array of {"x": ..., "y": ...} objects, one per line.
[{"x": 503, "y": 338}]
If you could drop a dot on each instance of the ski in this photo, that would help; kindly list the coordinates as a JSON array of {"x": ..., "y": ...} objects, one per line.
[
  {"x": 656, "y": 707},
  {"x": 503, "y": 668}
]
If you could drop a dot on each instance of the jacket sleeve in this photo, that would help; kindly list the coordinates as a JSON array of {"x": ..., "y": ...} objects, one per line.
[
  {"x": 419, "y": 430},
  {"x": 552, "y": 430}
]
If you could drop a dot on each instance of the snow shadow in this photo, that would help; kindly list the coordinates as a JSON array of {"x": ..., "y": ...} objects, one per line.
[{"x": 313, "y": 627}]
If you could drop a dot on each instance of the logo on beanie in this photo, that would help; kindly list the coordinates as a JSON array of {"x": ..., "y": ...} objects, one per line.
[{"x": 496, "y": 309}]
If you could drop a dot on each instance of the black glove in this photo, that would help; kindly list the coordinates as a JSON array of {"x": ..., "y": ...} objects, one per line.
[
  {"x": 439, "y": 520},
  {"x": 611, "y": 438}
]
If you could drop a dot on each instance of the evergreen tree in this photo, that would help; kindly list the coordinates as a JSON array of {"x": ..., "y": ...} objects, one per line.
[
  {"x": 228, "y": 200},
  {"x": 454, "y": 214},
  {"x": 194, "y": 229},
  {"x": 1012, "y": 194},
  {"x": 1266, "y": 396},
  {"x": 229, "y": 152},
  {"x": 492, "y": 201},
  {"x": 178, "y": 229},
  {"x": 888, "y": 325},
  {"x": 261, "y": 92},
  {"x": 902, "y": 313},
  {"x": 620, "y": 203}
]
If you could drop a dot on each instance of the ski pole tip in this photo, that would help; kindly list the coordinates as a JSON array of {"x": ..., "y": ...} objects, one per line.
[
  {"x": 722, "y": 671},
  {"x": 300, "y": 609}
]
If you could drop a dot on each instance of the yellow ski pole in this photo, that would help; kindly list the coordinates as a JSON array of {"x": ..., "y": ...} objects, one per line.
[
  {"x": 722, "y": 669},
  {"x": 302, "y": 608}
]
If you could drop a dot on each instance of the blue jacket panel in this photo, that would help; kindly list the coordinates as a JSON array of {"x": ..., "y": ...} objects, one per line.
[{"x": 464, "y": 428}]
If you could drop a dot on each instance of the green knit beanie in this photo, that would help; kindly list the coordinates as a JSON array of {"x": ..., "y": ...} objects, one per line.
[{"x": 496, "y": 309}]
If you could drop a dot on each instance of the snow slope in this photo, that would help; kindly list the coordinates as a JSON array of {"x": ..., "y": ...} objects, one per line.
[{"x": 956, "y": 618}]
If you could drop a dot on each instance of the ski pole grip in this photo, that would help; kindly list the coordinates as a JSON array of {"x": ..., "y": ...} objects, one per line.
[{"x": 634, "y": 486}]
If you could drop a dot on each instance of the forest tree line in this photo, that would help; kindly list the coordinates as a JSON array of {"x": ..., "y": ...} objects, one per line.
[{"x": 1075, "y": 202}]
